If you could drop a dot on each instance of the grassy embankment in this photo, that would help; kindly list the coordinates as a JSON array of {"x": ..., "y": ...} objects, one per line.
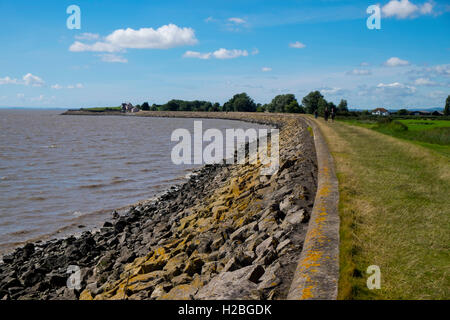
[
  {"x": 433, "y": 134},
  {"x": 394, "y": 208}
]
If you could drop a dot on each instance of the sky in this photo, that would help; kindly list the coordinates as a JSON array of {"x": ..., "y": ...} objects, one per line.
[{"x": 155, "y": 51}]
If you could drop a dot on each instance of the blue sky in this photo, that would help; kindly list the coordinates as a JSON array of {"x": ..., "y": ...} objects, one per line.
[{"x": 159, "y": 50}]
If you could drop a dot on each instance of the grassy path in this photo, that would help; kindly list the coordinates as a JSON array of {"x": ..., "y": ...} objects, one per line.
[{"x": 395, "y": 213}]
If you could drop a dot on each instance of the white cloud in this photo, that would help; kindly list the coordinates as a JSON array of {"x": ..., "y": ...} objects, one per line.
[
  {"x": 403, "y": 9},
  {"x": 359, "y": 72},
  {"x": 209, "y": 19},
  {"x": 364, "y": 64},
  {"x": 20, "y": 95},
  {"x": 266, "y": 69},
  {"x": 237, "y": 20},
  {"x": 331, "y": 91},
  {"x": 218, "y": 54},
  {"x": 297, "y": 45},
  {"x": 395, "y": 62},
  {"x": 229, "y": 54},
  {"x": 112, "y": 58},
  {"x": 397, "y": 87},
  {"x": 198, "y": 55},
  {"x": 165, "y": 37},
  {"x": 424, "y": 82},
  {"x": 8, "y": 80},
  {"x": 56, "y": 87},
  {"x": 78, "y": 46},
  {"x": 427, "y": 8},
  {"x": 75, "y": 86},
  {"x": 432, "y": 72},
  {"x": 32, "y": 80},
  {"x": 255, "y": 51},
  {"x": 443, "y": 69},
  {"x": 88, "y": 36}
]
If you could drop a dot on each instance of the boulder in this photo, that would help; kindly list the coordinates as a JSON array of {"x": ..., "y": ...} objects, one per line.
[{"x": 235, "y": 285}]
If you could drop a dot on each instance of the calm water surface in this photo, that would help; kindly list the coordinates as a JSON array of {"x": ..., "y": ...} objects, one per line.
[{"x": 59, "y": 173}]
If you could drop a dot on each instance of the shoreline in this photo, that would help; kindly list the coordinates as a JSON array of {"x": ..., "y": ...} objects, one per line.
[{"x": 106, "y": 268}]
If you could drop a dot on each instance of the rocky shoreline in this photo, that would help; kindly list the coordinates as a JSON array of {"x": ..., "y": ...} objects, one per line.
[{"x": 226, "y": 233}]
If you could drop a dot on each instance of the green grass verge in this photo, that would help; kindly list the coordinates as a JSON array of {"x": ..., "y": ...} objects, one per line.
[
  {"x": 432, "y": 134},
  {"x": 395, "y": 213}
]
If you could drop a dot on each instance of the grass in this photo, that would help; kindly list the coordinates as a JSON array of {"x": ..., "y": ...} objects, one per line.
[
  {"x": 395, "y": 213},
  {"x": 432, "y": 134}
]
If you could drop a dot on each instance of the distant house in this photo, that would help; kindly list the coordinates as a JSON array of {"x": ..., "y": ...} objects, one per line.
[
  {"x": 421, "y": 113},
  {"x": 437, "y": 113},
  {"x": 380, "y": 112},
  {"x": 128, "y": 107}
]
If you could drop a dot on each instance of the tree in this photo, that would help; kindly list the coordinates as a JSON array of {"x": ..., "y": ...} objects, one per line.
[
  {"x": 240, "y": 102},
  {"x": 342, "y": 106},
  {"x": 216, "y": 107},
  {"x": 447, "y": 106},
  {"x": 311, "y": 101},
  {"x": 281, "y": 102},
  {"x": 293, "y": 107},
  {"x": 402, "y": 112},
  {"x": 145, "y": 106},
  {"x": 321, "y": 106}
]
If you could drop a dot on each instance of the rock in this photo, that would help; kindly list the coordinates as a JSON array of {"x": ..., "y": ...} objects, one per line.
[
  {"x": 31, "y": 277},
  {"x": 267, "y": 258},
  {"x": 181, "y": 279},
  {"x": 107, "y": 224},
  {"x": 105, "y": 263},
  {"x": 283, "y": 245},
  {"x": 235, "y": 285},
  {"x": 209, "y": 268},
  {"x": 176, "y": 265},
  {"x": 28, "y": 250},
  {"x": 181, "y": 292},
  {"x": 242, "y": 232},
  {"x": 217, "y": 243},
  {"x": 69, "y": 294},
  {"x": 120, "y": 225},
  {"x": 265, "y": 246},
  {"x": 10, "y": 282},
  {"x": 231, "y": 265},
  {"x": 193, "y": 266},
  {"x": 256, "y": 274},
  {"x": 57, "y": 280},
  {"x": 295, "y": 216},
  {"x": 86, "y": 295},
  {"x": 270, "y": 280},
  {"x": 160, "y": 289}
]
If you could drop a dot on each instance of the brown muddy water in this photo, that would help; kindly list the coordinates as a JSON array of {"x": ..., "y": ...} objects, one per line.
[{"x": 66, "y": 174}]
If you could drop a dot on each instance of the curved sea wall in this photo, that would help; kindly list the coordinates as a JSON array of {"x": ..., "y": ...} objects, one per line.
[{"x": 227, "y": 233}]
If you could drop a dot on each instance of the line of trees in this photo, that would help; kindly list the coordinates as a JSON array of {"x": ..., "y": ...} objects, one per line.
[{"x": 242, "y": 102}]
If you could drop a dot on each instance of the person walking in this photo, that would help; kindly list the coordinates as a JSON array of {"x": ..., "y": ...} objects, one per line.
[
  {"x": 316, "y": 114},
  {"x": 326, "y": 114},
  {"x": 333, "y": 113}
]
